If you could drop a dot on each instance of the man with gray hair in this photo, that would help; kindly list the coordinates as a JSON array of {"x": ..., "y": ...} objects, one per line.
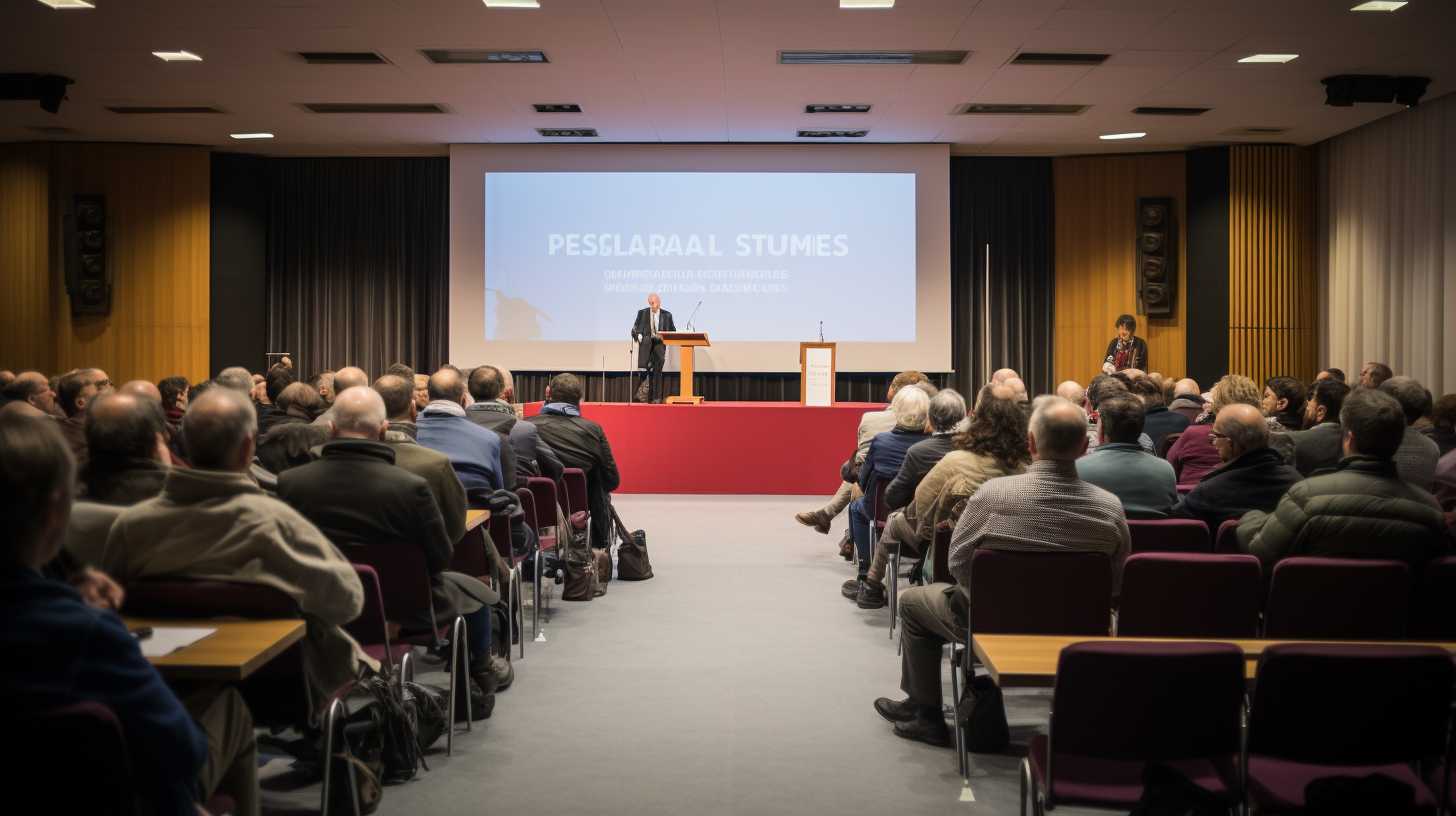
[
  {"x": 1187, "y": 399},
  {"x": 1046, "y": 509},
  {"x": 355, "y": 494},
  {"x": 1253, "y": 475},
  {"x": 214, "y": 522},
  {"x": 1072, "y": 391},
  {"x": 236, "y": 378},
  {"x": 911, "y": 408},
  {"x": 1417, "y": 455}
]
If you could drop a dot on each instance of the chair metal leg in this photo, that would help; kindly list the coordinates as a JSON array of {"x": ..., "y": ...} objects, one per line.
[
  {"x": 332, "y": 721},
  {"x": 894, "y": 588},
  {"x": 518, "y": 618},
  {"x": 963, "y": 758},
  {"x": 1025, "y": 783},
  {"x": 536, "y": 601}
]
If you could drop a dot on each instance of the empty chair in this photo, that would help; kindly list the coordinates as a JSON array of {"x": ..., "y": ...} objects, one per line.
[
  {"x": 1169, "y": 535},
  {"x": 1040, "y": 593},
  {"x": 1434, "y": 615},
  {"x": 1190, "y": 595},
  {"x": 1337, "y": 599},
  {"x": 1118, "y": 707},
  {"x": 1303, "y": 727}
]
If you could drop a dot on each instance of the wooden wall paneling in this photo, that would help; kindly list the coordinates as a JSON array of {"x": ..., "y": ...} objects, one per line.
[
  {"x": 26, "y": 333},
  {"x": 1096, "y": 218},
  {"x": 1273, "y": 286}
]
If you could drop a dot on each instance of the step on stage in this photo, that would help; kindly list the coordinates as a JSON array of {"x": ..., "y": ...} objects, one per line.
[{"x": 728, "y": 447}]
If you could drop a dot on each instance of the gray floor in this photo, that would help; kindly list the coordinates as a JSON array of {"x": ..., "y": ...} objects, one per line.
[{"x": 738, "y": 681}]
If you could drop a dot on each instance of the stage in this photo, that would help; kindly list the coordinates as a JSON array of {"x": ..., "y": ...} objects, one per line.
[{"x": 728, "y": 447}]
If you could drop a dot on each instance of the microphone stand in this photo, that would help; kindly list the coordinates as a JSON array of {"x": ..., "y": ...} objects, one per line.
[
  {"x": 631, "y": 367},
  {"x": 693, "y": 315}
]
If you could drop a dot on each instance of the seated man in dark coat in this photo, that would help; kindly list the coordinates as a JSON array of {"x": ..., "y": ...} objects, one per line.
[
  {"x": 1253, "y": 475},
  {"x": 580, "y": 443},
  {"x": 356, "y": 494},
  {"x": 493, "y": 392},
  {"x": 1320, "y": 445},
  {"x": 1158, "y": 421}
]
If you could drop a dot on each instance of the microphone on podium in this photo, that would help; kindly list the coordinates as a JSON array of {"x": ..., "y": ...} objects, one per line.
[
  {"x": 821, "y": 331},
  {"x": 693, "y": 315}
]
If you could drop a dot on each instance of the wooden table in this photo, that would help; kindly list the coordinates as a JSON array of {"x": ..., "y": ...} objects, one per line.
[
  {"x": 232, "y": 653},
  {"x": 475, "y": 518},
  {"x": 1030, "y": 661}
]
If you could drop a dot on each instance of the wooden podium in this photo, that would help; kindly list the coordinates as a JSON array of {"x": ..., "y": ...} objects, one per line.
[{"x": 685, "y": 341}]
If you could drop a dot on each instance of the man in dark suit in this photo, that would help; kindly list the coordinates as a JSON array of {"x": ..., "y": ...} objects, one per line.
[{"x": 651, "y": 351}]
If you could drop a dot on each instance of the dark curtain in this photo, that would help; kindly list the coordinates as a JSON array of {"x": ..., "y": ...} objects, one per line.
[
  {"x": 358, "y": 261},
  {"x": 717, "y": 386},
  {"x": 1006, "y": 203}
]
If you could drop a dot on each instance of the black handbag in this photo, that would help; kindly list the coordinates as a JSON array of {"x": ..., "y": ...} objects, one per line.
[
  {"x": 632, "y": 561},
  {"x": 982, "y": 713}
]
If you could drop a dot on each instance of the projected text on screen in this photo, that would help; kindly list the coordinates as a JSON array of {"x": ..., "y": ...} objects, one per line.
[{"x": 572, "y": 256}]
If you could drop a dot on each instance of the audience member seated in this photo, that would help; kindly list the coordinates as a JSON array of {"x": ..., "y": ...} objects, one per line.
[
  {"x": 1018, "y": 388},
  {"x": 1373, "y": 374},
  {"x": 1417, "y": 455},
  {"x": 1072, "y": 391},
  {"x": 1336, "y": 374},
  {"x": 580, "y": 443},
  {"x": 1253, "y": 476},
  {"x": 431, "y": 465},
  {"x": 402, "y": 371},
  {"x": 290, "y": 440},
  {"x": 1443, "y": 424},
  {"x": 1193, "y": 455},
  {"x": 33, "y": 389},
  {"x": 1141, "y": 481},
  {"x": 946, "y": 411},
  {"x": 1158, "y": 421},
  {"x": 474, "y": 452},
  {"x": 1362, "y": 510},
  {"x": 355, "y": 494},
  {"x": 237, "y": 378},
  {"x": 65, "y": 651},
  {"x": 871, "y": 424},
  {"x": 1283, "y": 403},
  {"x": 1320, "y": 445},
  {"x": 422, "y": 392},
  {"x": 1049, "y": 509},
  {"x": 174, "y": 399},
  {"x": 887, "y": 452},
  {"x": 344, "y": 379},
  {"x": 213, "y": 521},
  {"x": 6, "y": 378},
  {"x": 129, "y": 460},
  {"x": 1187, "y": 399},
  {"x": 1446, "y": 485},
  {"x": 323, "y": 383},
  {"x": 1102, "y": 387},
  {"x": 74, "y": 392},
  {"x": 279, "y": 378}
]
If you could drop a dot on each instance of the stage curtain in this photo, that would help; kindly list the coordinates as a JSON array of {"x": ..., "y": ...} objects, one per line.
[
  {"x": 1388, "y": 245},
  {"x": 1005, "y": 203},
  {"x": 358, "y": 261}
]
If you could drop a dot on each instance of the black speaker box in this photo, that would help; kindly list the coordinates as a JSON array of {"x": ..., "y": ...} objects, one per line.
[
  {"x": 1157, "y": 257},
  {"x": 88, "y": 278}
]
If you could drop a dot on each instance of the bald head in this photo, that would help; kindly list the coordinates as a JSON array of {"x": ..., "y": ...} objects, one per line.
[
  {"x": 1002, "y": 375},
  {"x": 1058, "y": 430},
  {"x": 1243, "y": 429},
  {"x": 359, "y": 414},
  {"x": 235, "y": 377},
  {"x": 1017, "y": 387},
  {"x": 20, "y": 408},
  {"x": 348, "y": 377},
  {"x": 446, "y": 384},
  {"x": 1072, "y": 391},
  {"x": 1186, "y": 387},
  {"x": 125, "y": 426},
  {"x": 142, "y": 389},
  {"x": 220, "y": 428}
]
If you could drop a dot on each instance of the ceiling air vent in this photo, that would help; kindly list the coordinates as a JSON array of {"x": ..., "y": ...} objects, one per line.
[
  {"x": 872, "y": 57},
  {"x": 568, "y": 133},
  {"x": 1155, "y": 110},
  {"x": 977, "y": 109},
  {"x": 836, "y": 109},
  {"x": 51, "y": 130},
  {"x": 163, "y": 109},
  {"x": 342, "y": 58},
  {"x": 557, "y": 107},
  {"x": 833, "y": 134},
  {"x": 1054, "y": 58},
  {"x": 1256, "y": 131},
  {"x": 476, "y": 56},
  {"x": 374, "y": 107}
]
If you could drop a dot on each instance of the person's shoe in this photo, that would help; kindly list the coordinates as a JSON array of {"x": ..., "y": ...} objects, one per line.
[
  {"x": 929, "y": 730},
  {"x": 846, "y": 547},
  {"x": 851, "y": 588},
  {"x": 504, "y": 672},
  {"x": 818, "y": 519},
  {"x": 481, "y": 688},
  {"x": 871, "y": 595},
  {"x": 896, "y": 711}
]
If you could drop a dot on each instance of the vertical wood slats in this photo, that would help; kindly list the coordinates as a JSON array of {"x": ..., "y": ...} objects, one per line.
[
  {"x": 26, "y": 334},
  {"x": 1095, "y": 280},
  {"x": 1273, "y": 290}
]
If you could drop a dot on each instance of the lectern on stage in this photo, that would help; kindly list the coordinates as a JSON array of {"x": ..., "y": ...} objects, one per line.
[{"x": 686, "y": 341}]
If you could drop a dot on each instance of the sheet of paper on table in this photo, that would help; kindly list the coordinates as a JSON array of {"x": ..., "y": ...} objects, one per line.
[{"x": 168, "y": 639}]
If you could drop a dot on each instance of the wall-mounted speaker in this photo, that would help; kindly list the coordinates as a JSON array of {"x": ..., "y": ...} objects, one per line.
[
  {"x": 1157, "y": 257},
  {"x": 88, "y": 278}
]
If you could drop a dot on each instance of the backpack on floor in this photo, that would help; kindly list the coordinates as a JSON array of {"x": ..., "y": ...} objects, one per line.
[{"x": 982, "y": 713}]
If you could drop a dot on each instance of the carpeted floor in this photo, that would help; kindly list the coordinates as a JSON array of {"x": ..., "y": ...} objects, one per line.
[{"x": 737, "y": 681}]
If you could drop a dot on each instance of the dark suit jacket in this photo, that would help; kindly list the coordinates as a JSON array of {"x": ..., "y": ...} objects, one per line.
[
  {"x": 921, "y": 457},
  {"x": 583, "y": 444},
  {"x": 533, "y": 457},
  {"x": 1255, "y": 481},
  {"x": 642, "y": 331},
  {"x": 1318, "y": 448},
  {"x": 1159, "y": 422}
]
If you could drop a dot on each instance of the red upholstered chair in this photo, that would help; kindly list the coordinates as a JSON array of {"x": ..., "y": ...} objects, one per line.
[
  {"x": 1166, "y": 443},
  {"x": 1169, "y": 535},
  {"x": 1337, "y": 599},
  {"x": 1119, "y": 707},
  {"x": 1190, "y": 595},
  {"x": 1302, "y": 727},
  {"x": 575, "y": 498},
  {"x": 545, "y": 543},
  {"x": 1434, "y": 615},
  {"x": 500, "y": 536},
  {"x": 1227, "y": 538},
  {"x": 1040, "y": 593},
  {"x": 372, "y": 630},
  {"x": 1185, "y": 489}
]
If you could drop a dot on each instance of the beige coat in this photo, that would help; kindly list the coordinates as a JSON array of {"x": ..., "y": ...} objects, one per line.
[
  {"x": 955, "y": 477},
  {"x": 222, "y": 526}
]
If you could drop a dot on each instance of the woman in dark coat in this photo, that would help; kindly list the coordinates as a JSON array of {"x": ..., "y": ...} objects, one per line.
[{"x": 1126, "y": 350}]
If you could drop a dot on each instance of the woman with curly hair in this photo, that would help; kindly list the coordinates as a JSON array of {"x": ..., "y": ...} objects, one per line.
[{"x": 1193, "y": 456}]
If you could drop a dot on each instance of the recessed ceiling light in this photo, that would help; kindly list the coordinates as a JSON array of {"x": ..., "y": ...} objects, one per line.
[
  {"x": 1379, "y": 5},
  {"x": 1112, "y": 137},
  {"x": 176, "y": 56},
  {"x": 866, "y": 4},
  {"x": 251, "y": 135},
  {"x": 67, "y": 4},
  {"x": 1270, "y": 58},
  {"x": 513, "y": 4}
]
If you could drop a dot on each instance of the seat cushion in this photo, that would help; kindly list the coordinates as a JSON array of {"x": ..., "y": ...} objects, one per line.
[
  {"x": 547, "y": 543},
  {"x": 1118, "y": 783},
  {"x": 1278, "y": 784},
  {"x": 390, "y": 656}
]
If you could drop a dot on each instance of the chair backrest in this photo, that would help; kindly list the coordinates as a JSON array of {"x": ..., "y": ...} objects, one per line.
[
  {"x": 1338, "y": 599},
  {"x": 1185, "y": 489},
  {"x": 1190, "y": 595},
  {"x": 1227, "y": 538},
  {"x": 469, "y": 556},
  {"x": 74, "y": 760},
  {"x": 1040, "y": 593},
  {"x": 1166, "y": 444},
  {"x": 574, "y": 479},
  {"x": 404, "y": 577},
  {"x": 940, "y": 556},
  {"x": 206, "y": 598},
  {"x": 1351, "y": 704},
  {"x": 1169, "y": 535},
  {"x": 1148, "y": 701},
  {"x": 370, "y": 627},
  {"x": 879, "y": 511},
  {"x": 500, "y": 536},
  {"x": 544, "y": 491},
  {"x": 1434, "y": 615}
]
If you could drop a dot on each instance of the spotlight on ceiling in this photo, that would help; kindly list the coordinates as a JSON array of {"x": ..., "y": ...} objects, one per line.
[
  {"x": 176, "y": 56},
  {"x": 1112, "y": 137},
  {"x": 1379, "y": 5},
  {"x": 67, "y": 4},
  {"x": 1280, "y": 58},
  {"x": 866, "y": 4},
  {"x": 251, "y": 135},
  {"x": 520, "y": 4}
]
